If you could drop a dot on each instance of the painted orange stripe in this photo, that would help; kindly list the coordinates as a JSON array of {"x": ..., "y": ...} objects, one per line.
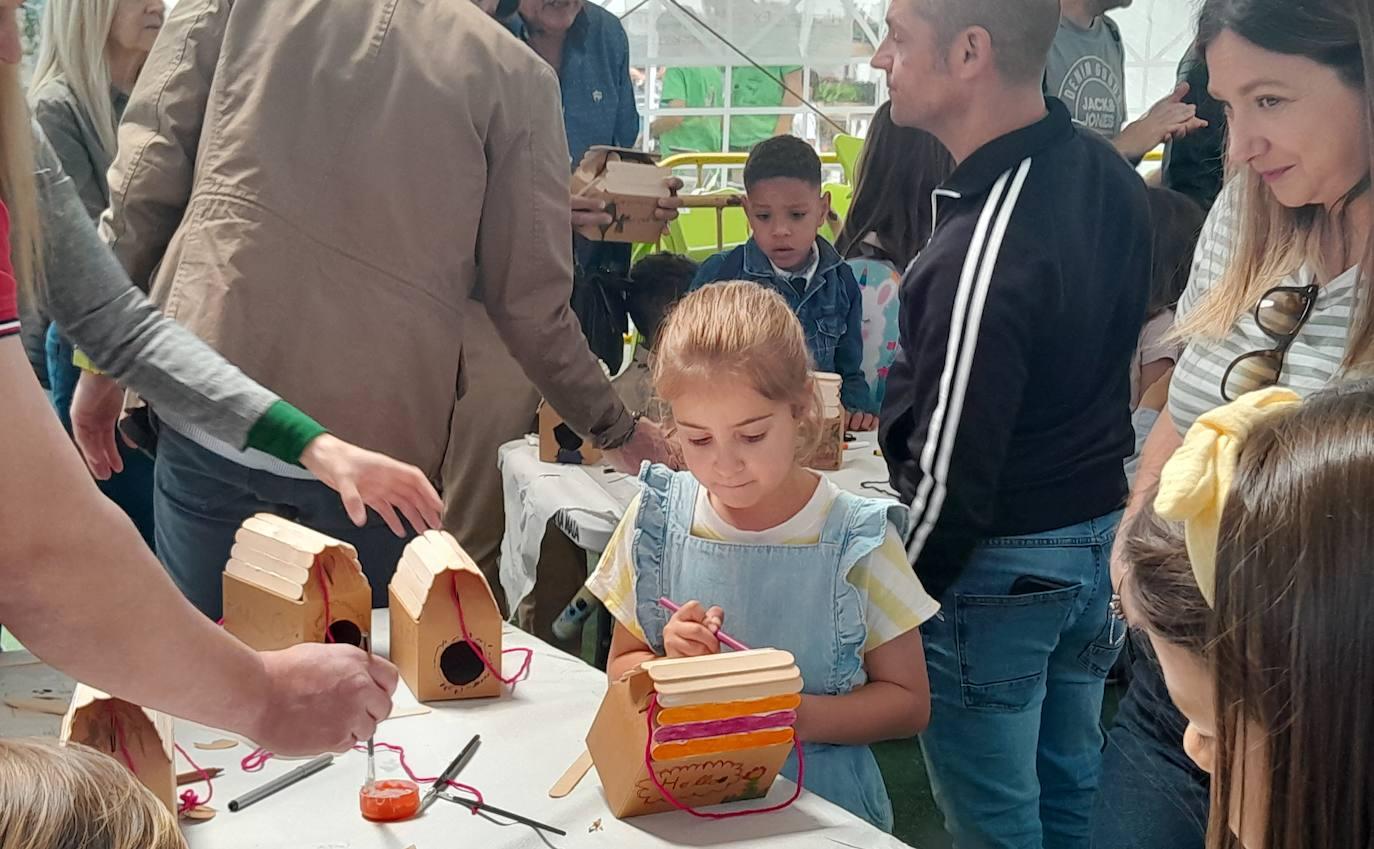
[
  {"x": 729, "y": 710},
  {"x": 716, "y": 745}
]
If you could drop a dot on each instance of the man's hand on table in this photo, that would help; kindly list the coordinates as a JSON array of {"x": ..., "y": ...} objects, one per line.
[
  {"x": 589, "y": 212},
  {"x": 321, "y": 698}
]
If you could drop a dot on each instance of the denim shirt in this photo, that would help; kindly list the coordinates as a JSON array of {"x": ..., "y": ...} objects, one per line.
[
  {"x": 830, "y": 310},
  {"x": 598, "y": 96}
]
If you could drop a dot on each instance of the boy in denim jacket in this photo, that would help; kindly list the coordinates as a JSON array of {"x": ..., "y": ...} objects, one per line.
[{"x": 786, "y": 209}]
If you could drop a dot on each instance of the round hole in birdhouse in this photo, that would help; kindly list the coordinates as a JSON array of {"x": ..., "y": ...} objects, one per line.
[
  {"x": 346, "y": 632},
  {"x": 460, "y": 665}
]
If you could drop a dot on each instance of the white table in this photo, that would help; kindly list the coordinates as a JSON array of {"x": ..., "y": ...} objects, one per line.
[
  {"x": 528, "y": 739},
  {"x": 586, "y": 502}
]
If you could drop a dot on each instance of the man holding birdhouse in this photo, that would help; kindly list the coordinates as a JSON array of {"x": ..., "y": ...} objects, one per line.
[{"x": 332, "y": 256}]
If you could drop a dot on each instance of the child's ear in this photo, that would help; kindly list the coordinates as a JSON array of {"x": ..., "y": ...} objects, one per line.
[
  {"x": 748, "y": 208},
  {"x": 825, "y": 206}
]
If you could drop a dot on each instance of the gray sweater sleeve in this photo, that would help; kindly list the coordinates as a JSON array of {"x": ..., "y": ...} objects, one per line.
[{"x": 92, "y": 300}]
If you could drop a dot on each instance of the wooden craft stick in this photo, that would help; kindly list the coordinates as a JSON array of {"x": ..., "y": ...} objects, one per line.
[
  {"x": 51, "y": 707},
  {"x": 195, "y": 775},
  {"x": 570, "y": 779}
]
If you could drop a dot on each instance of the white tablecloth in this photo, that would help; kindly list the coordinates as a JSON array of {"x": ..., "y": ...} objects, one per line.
[
  {"x": 586, "y": 502},
  {"x": 528, "y": 739}
]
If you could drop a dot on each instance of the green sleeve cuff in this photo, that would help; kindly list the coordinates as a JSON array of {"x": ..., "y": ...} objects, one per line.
[{"x": 284, "y": 432}]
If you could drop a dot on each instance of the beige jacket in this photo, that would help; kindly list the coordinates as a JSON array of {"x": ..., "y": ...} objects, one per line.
[{"x": 316, "y": 187}]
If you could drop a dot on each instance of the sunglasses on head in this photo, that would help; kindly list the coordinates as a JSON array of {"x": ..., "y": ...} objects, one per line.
[{"x": 1281, "y": 314}]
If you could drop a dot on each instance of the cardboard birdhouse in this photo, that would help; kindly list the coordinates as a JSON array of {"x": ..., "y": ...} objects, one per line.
[
  {"x": 559, "y": 443},
  {"x": 828, "y": 454},
  {"x": 631, "y": 184},
  {"x": 721, "y": 731},
  {"x": 428, "y": 645},
  {"x": 286, "y": 584},
  {"x": 142, "y": 740}
]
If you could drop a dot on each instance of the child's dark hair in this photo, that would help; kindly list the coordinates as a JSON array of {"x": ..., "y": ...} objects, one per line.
[
  {"x": 1164, "y": 592},
  {"x": 783, "y": 156},
  {"x": 1176, "y": 223},
  {"x": 896, "y": 173},
  {"x": 656, "y": 283}
]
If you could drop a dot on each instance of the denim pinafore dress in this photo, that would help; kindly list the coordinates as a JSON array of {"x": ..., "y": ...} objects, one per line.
[{"x": 792, "y": 597}]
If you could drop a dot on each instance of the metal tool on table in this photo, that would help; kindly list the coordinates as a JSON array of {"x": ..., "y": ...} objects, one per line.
[{"x": 450, "y": 773}]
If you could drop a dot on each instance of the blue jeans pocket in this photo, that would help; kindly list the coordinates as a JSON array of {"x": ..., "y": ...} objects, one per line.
[
  {"x": 1100, "y": 655},
  {"x": 1004, "y": 644}
]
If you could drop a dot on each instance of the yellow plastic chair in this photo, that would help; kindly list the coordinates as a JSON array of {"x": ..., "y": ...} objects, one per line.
[{"x": 841, "y": 197}]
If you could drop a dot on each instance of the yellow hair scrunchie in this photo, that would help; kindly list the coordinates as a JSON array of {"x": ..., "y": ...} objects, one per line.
[{"x": 1196, "y": 480}]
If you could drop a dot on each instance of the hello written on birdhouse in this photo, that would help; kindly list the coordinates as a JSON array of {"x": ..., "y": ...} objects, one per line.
[
  {"x": 428, "y": 644},
  {"x": 142, "y": 740},
  {"x": 631, "y": 184},
  {"x": 286, "y": 584},
  {"x": 722, "y": 728}
]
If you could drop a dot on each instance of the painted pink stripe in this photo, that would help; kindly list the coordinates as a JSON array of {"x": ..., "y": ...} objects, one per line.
[{"x": 720, "y": 727}]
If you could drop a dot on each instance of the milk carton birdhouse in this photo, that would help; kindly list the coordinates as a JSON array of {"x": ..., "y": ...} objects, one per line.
[
  {"x": 828, "y": 455},
  {"x": 631, "y": 184},
  {"x": 720, "y": 729},
  {"x": 428, "y": 644},
  {"x": 286, "y": 584},
  {"x": 559, "y": 443},
  {"x": 140, "y": 739}
]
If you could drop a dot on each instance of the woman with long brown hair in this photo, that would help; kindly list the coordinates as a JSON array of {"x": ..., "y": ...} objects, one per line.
[
  {"x": 891, "y": 217},
  {"x": 1258, "y": 608},
  {"x": 1280, "y": 295}
]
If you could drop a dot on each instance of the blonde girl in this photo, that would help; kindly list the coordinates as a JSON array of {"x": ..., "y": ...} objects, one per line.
[
  {"x": 750, "y": 537},
  {"x": 71, "y": 797}
]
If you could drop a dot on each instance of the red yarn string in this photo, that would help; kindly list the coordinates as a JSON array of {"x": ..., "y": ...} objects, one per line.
[
  {"x": 520, "y": 674},
  {"x": 328, "y": 620},
  {"x": 189, "y": 800},
  {"x": 401, "y": 753},
  {"x": 120, "y": 743},
  {"x": 668, "y": 796},
  {"x": 256, "y": 760}
]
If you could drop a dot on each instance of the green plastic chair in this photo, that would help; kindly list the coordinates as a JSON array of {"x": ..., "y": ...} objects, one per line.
[{"x": 848, "y": 149}]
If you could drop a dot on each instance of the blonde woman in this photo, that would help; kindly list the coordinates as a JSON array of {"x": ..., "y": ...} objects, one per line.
[
  {"x": 89, "y": 58},
  {"x": 72, "y": 797},
  {"x": 1280, "y": 295},
  {"x": 59, "y": 533}
]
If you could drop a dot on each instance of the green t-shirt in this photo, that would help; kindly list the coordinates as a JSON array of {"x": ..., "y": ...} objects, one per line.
[
  {"x": 695, "y": 88},
  {"x": 753, "y": 88}
]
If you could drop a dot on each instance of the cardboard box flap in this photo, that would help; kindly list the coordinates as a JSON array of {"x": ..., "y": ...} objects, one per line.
[
  {"x": 732, "y": 663},
  {"x": 595, "y": 161},
  {"x": 730, "y": 688}
]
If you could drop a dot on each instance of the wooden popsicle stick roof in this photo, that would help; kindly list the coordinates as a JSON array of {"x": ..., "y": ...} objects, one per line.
[
  {"x": 84, "y": 696},
  {"x": 737, "y": 676},
  {"x": 426, "y": 558},
  {"x": 280, "y": 556}
]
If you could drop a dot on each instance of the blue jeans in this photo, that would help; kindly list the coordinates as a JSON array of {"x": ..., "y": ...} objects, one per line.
[
  {"x": 132, "y": 489},
  {"x": 1018, "y": 659},
  {"x": 201, "y": 499},
  {"x": 1152, "y": 793}
]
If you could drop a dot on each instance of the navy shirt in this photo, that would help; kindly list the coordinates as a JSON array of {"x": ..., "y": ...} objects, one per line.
[{"x": 598, "y": 96}]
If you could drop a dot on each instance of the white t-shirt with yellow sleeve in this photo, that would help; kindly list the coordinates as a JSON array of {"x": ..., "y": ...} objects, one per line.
[{"x": 894, "y": 601}]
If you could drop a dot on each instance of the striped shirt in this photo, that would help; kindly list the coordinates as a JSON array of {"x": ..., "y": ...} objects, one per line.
[
  {"x": 893, "y": 598},
  {"x": 1314, "y": 359}
]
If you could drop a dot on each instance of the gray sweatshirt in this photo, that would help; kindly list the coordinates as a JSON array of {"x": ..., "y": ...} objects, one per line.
[{"x": 86, "y": 292}]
